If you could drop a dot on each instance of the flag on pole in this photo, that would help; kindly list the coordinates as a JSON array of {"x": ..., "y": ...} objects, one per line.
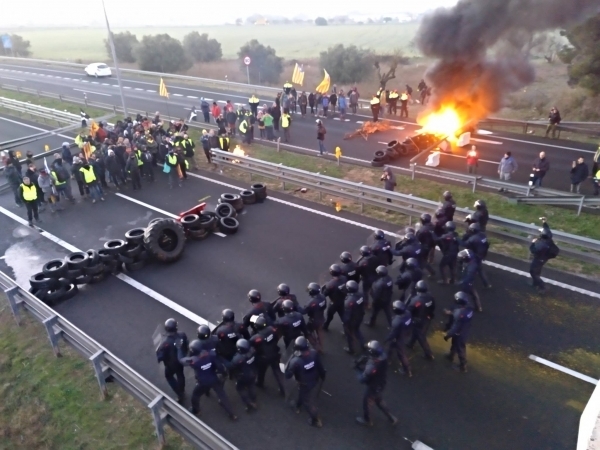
[
  {"x": 298, "y": 75},
  {"x": 93, "y": 128},
  {"x": 46, "y": 165},
  {"x": 323, "y": 88},
  {"x": 162, "y": 89}
]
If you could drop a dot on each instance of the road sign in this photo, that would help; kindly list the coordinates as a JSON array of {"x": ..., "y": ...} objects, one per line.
[
  {"x": 247, "y": 60},
  {"x": 7, "y": 41}
]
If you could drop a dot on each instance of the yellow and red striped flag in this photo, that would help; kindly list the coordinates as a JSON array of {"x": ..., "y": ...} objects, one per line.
[
  {"x": 298, "y": 75},
  {"x": 162, "y": 89},
  {"x": 323, "y": 88}
]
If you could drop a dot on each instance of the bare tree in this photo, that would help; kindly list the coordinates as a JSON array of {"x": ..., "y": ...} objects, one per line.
[{"x": 392, "y": 61}]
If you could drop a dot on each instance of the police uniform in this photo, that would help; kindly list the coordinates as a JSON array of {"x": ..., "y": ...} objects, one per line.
[
  {"x": 307, "y": 369},
  {"x": 458, "y": 330},
  {"x": 243, "y": 370},
  {"x": 374, "y": 376},
  {"x": 335, "y": 290},
  {"x": 382, "y": 291},
  {"x": 259, "y": 308},
  {"x": 354, "y": 312},
  {"x": 268, "y": 355},
  {"x": 291, "y": 326},
  {"x": 167, "y": 354},
  {"x": 227, "y": 334},
  {"x": 450, "y": 246},
  {"x": 398, "y": 336},
  {"x": 422, "y": 309},
  {"x": 366, "y": 267},
  {"x": 315, "y": 311}
]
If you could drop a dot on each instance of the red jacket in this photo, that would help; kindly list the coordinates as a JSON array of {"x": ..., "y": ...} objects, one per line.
[
  {"x": 472, "y": 160},
  {"x": 216, "y": 111}
]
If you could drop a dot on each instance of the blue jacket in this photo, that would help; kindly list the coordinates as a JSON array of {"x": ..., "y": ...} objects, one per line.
[{"x": 342, "y": 102}]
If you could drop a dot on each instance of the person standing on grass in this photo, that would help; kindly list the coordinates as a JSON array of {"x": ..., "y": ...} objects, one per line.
[
  {"x": 579, "y": 173},
  {"x": 268, "y": 121},
  {"x": 472, "y": 160},
  {"x": 507, "y": 166},
  {"x": 321, "y": 131},
  {"x": 389, "y": 181},
  {"x": 29, "y": 196}
]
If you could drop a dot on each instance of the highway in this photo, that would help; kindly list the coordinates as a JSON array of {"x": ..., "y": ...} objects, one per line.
[
  {"x": 14, "y": 128},
  {"x": 142, "y": 94},
  {"x": 505, "y": 401}
]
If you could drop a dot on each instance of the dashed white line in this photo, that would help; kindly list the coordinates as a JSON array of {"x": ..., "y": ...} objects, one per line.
[
  {"x": 10, "y": 78},
  {"x": 359, "y": 121},
  {"x": 84, "y": 81},
  {"x": 138, "y": 89},
  {"x": 66, "y": 78},
  {"x": 114, "y": 85},
  {"x": 177, "y": 95},
  {"x": 544, "y": 144},
  {"x": 105, "y": 84},
  {"x": 464, "y": 157},
  {"x": 487, "y": 141},
  {"x": 92, "y": 92},
  {"x": 95, "y": 82},
  {"x": 76, "y": 79},
  {"x": 191, "y": 96},
  {"x": 150, "y": 90},
  {"x": 208, "y": 99},
  {"x": 221, "y": 101},
  {"x": 126, "y": 87},
  {"x": 563, "y": 369}
]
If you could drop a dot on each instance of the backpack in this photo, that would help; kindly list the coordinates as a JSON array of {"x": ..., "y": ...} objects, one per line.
[
  {"x": 553, "y": 250},
  {"x": 61, "y": 174}
]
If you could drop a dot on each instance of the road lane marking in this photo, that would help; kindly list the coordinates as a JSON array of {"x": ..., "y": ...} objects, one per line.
[
  {"x": 126, "y": 87},
  {"x": 177, "y": 95},
  {"x": 543, "y": 144},
  {"x": 563, "y": 369},
  {"x": 359, "y": 121},
  {"x": 486, "y": 141},
  {"x": 464, "y": 157},
  {"x": 84, "y": 81},
  {"x": 34, "y": 127},
  {"x": 85, "y": 91},
  {"x": 151, "y": 90},
  {"x": 191, "y": 96},
  {"x": 11, "y": 78},
  {"x": 138, "y": 89}
]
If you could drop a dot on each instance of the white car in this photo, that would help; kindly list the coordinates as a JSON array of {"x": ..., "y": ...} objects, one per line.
[{"x": 98, "y": 70}]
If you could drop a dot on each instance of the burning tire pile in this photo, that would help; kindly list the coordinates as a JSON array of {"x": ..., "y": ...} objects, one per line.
[
  {"x": 163, "y": 240},
  {"x": 410, "y": 145}
]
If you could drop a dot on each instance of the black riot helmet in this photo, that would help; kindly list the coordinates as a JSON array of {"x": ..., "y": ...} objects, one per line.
[
  {"x": 461, "y": 298},
  {"x": 260, "y": 322},
  {"x": 450, "y": 226},
  {"x": 313, "y": 289},
  {"x": 545, "y": 233},
  {"x": 335, "y": 270},
  {"x": 203, "y": 332},
  {"x": 409, "y": 230},
  {"x": 379, "y": 235},
  {"x": 479, "y": 204},
  {"x": 345, "y": 257},
  {"x": 474, "y": 228},
  {"x": 301, "y": 343},
  {"x": 254, "y": 296},
  {"x": 412, "y": 263},
  {"x": 170, "y": 325},
  {"x": 421, "y": 286},
  {"x": 425, "y": 218},
  {"x": 447, "y": 195},
  {"x": 283, "y": 289},
  {"x": 365, "y": 251},
  {"x": 242, "y": 345},
  {"x": 381, "y": 271},
  {"x": 409, "y": 238},
  {"x": 465, "y": 255},
  {"x": 351, "y": 287},
  {"x": 374, "y": 348},
  {"x": 228, "y": 315},
  {"x": 287, "y": 306},
  {"x": 398, "y": 307},
  {"x": 195, "y": 347}
]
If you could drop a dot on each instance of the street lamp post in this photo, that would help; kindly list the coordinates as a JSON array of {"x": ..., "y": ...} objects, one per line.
[{"x": 114, "y": 55}]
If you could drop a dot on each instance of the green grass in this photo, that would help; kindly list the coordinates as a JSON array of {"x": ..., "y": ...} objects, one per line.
[
  {"x": 290, "y": 41},
  {"x": 54, "y": 403}
]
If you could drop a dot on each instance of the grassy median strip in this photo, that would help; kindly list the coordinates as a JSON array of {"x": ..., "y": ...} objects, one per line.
[{"x": 50, "y": 402}]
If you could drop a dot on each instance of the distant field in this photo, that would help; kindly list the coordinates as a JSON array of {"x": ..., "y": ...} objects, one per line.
[{"x": 289, "y": 41}]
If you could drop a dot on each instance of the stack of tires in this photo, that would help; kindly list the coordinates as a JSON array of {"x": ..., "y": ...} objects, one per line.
[
  {"x": 164, "y": 240},
  {"x": 393, "y": 151}
]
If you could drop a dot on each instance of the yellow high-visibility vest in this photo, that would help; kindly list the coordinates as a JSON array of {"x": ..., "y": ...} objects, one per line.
[
  {"x": 172, "y": 159},
  {"x": 375, "y": 101},
  {"x": 56, "y": 182},
  {"x": 29, "y": 192},
  {"x": 243, "y": 127},
  {"x": 138, "y": 153},
  {"x": 88, "y": 174},
  {"x": 285, "y": 120},
  {"x": 404, "y": 97}
]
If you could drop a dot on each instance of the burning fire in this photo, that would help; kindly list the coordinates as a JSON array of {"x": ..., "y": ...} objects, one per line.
[
  {"x": 237, "y": 151},
  {"x": 446, "y": 121}
]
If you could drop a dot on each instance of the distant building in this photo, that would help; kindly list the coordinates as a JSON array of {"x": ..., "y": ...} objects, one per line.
[{"x": 261, "y": 21}]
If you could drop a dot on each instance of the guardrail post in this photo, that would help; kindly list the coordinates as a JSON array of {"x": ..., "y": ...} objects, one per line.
[
  {"x": 14, "y": 303},
  {"x": 412, "y": 172},
  {"x": 159, "y": 418},
  {"x": 283, "y": 175},
  {"x": 278, "y": 143},
  {"x": 362, "y": 205},
  {"x": 475, "y": 178},
  {"x": 96, "y": 360},
  {"x": 580, "y": 205},
  {"x": 52, "y": 335}
]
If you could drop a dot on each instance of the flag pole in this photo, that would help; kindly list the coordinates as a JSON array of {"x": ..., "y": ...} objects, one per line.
[{"x": 114, "y": 55}]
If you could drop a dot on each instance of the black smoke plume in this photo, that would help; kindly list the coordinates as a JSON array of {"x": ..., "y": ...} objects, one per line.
[{"x": 467, "y": 74}]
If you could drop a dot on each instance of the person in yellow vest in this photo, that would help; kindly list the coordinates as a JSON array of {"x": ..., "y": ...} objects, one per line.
[
  {"x": 597, "y": 182},
  {"x": 287, "y": 87},
  {"x": 188, "y": 147},
  {"x": 133, "y": 168},
  {"x": 253, "y": 102},
  {"x": 224, "y": 142},
  {"x": 244, "y": 128},
  {"x": 170, "y": 168},
  {"x": 28, "y": 193},
  {"x": 393, "y": 102},
  {"x": 404, "y": 105},
  {"x": 286, "y": 122},
  {"x": 375, "y": 106},
  {"x": 90, "y": 180}
]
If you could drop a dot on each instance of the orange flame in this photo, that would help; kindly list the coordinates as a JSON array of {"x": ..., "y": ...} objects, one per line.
[{"x": 446, "y": 121}]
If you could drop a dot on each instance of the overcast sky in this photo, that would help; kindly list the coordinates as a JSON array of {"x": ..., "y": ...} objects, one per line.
[{"x": 123, "y": 13}]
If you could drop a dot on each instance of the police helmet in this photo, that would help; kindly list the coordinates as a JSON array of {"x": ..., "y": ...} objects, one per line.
[
  {"x": 447, "y": 195},
  {"x": 313, "y": 289},
  {"x": 381, "y": 271},
  {"x": 242, "y": 345},
  {"x": 228, "y": 315},
  {"x": 335, "y": 270},
  {"x": 365, "y": 251},
  {"x": 474, "y": 228},
  {"x": 170, "y": 325},
  {"x": 283, "y": 289},
  {"x": 379, "y": 235},
  {"x": 409, "y": 230},
  {"x": 351, "y": 287},
  {"x": 195, "y": 347},
  {"x": 260, "y": 322},
  {"x": 301, "y": 343},
  {"x": 425, "y": 218},
  {"x": 421, "y": 286},
  {"x": 398, "y": 307},
  {"x": 450, "y": 226},
  {"x": 465, "y": 255},
  {"x": 479, "y": 204},
  {"x": 374, "y": 348},
  {"x": 254, "y": 296},
  {"x": 203, "y": 332},
  {"x": 409, "y": 237},
  {"x": 462, "y": 298},
  {"x": 287, "y": 306},
  {"x": 412, "y": 263},
  {"x": 345, "y": 257}
]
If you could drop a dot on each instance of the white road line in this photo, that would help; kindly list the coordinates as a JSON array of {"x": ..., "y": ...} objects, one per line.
[
  {"x": 95, "y": 82},
  {"x": 34, "y": 127},
  {"x": 154, "y": 208},
  {"x": 336, "y": 118},
  {"x": 126, "y": 87},
  {"x": 220, "y": 101},
  {"x": 11, "y": 78},
  {"x": 486, "y": 141},
  {"x": 359, "y": 121},
  {"x": 563, "y": 369},
  {"x": 114, "y": 85},
  {"x": 105, "y": 84},
  {"x": 191, "y": 96},
  {"x": 398, "y": 128},
  {"x": 149, "y": 90},
  {"x": 84, "y": 81},
  {"x": 177, "y": 95},
  {"x": 484, "y": 132},
  {"x": 66, "y": 78},
  {"x": 130, "y": 281},
  {"x": 208, "y": 99},
  {"x": 76, "y": 79},
  {"x": 92, "y": 92},
  {"x": 217, "y": 233},
  {"x": 138, "y": 89},
  {"x": 384, "y": 143},
  {"x": 543, "y": 144}
]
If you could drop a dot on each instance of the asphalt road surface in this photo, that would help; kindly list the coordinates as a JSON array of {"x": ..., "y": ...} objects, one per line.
[
  {"x": 143, "y": 95},
  {"x": 14, "y": 128},
  {"x": 505, "y": 401}
]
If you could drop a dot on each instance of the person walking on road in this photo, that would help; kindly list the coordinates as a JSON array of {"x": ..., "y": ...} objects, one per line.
[
  {"x": 540, "y": 168},
  {"x": 205, "y": 108},
  {"x": 596, "y": 181},
  {"x": 303, "y": 101},
  {"x": 166, "y": 353},
  {"x": 215, "y": 111},
  {"x": 375, "y": 107},
  {"x": 506, "y": 168},
  {"x": 14, "y": 180},
  {"x": 91, "y": 182},
  {"x": 268, "y": 121},
  {"x": 132, "y": 167},
  {"x": 457, "y": 329},
  {"x": 170, "y": 168},
  {"x": 579, "y": 173},
  {"x": 472, "y": 160},
  {"x": 554, "y": 120},
  {"x": 29, "y": 196},
  {"x": 542, "y": 249},
  {"x": 321, "y": 131},
  {"x": 342, "y": 102},
  {"x": 46, "y": 184}
]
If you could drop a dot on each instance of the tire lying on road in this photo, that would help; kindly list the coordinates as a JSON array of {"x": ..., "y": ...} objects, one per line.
[
  {"x": 248, "y": 197},
  {"x": 78, "y": 260},
  {"x": 135, "y": 236},
  {"x": 94, "y": 257},
  {"x": 189, "y": 221},
  {"x": 55, "y": 268},
  {"x": 197, "y": 234},
  {"x": 137, "y": 265},
  {"x": 105, "y": 255},
  {"x": 39, "y": 293},
  {"x": 260, "y": 190},
  {"x": 54, "y": 294},
  {"x": 94, "y": 270},
  {"x": 225, "y": 210},
  {"x": 115, "y": 246},
  {"x": 42, "y": 281},
  {"x": 132, "y": 250},
  {"x": 228, "y": 225},
  {"x": 70, "y": 291},
  {"x": 82, "y": 279},
  {"x": 209, "y": 224},
  {"x": 165, "y": 240},
  {"x": 234, "y": 200}
]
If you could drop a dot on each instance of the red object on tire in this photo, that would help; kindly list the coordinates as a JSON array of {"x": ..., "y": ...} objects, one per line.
[{"x": 195, "y": 210}]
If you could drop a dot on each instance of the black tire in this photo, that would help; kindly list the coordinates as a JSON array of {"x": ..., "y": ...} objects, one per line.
[
  {"x": 132, "y": 250},
  {"x": 98, "y": 278},
  {"x": 198, "y": 234},
  {"x": 115, "y": 246},
  {"x": 154, "y": 221},
  {"x": 94, "y": 270},
  {"x": 234, "y": 200},
  {"x": 94, "y": 257},
  {"x": 215, "y": 222},
  {"x": 65, "y": 282},
  {"x": 111, "y": 267},
  {"x": 143, "y": 256},
  {"x": 70, "y": 291},
  {"x": 55, "y": 294},
  {"x": 225, "y": 210},
  {"x": 205, "y": 222},
  {"x": 248, "y": 197},
  {"x": 137, "y": 265},
  {"x": 78, "y": 260},
  {"x": 260, "y": 190},
  {"x": 41, "y": 281},
  {"x": 126, "y": 259},
  {"x": 82, "y": 279},
  {"x": 391, "y": 153},
  {"x": 228, "y": 225},
  {"x": 40, "y": 294},
  {"x": 105, "y": 255},
  {"x": 135, "y": 236},
  {"x": 402, "y": 150},
  {"x": 55, "y": 268},
  {"x": 377, "y": 163},
  {"x": 379, "y": 154},
  {"x": 74, "y": 273},
  {"x": 190, "y": 221},
  {"x": 165, "y": 240}
]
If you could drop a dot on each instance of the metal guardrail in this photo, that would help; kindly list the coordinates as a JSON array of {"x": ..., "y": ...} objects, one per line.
[
  {"x": 527, "y": 125},
  {"x": 107, "y": 367},
  {"x": 578, "y": 201},
  {"x": 40, "y": 111},
  {"x": 405, "y": 204}
]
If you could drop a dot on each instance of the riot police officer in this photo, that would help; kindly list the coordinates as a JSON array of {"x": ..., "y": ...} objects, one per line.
[
  {"x": 398, "y": 335},
  {"x": 207, "y": 368},
  {"x": 348, "y": 267},
  {"x": 243, "y": 369},
  {"x": 315, "y": 311},
  {"x": 381, "y": 249},
  {"x": 228, "y": 332},
  {"x": 335, "y": 289},
  {"x": 422, "y": 309},
  {"x": 291, "y": 324},
  {"x": 307, "y": 369},
  {"x": 408, "y": 278},
  {"x": 207, "y": 341},
  {"x": 166, "y": 353},
  {"x": 354, "y": 312},
  {"x": 366, "y": 267},
  {"x": 480, "y": 216},
  {"x": 374, "y": 376},
  {"x": 382, "y": 291},
  {"x": 458, "y": 328},
  {"x": 258, "y": 307},
  {"x": 542, "y": 249},
  {"x": 476, "y": 241},
  {"x": 468, "y": 268},
  {"x": 448, "y": 206},
  {"x": 267, "y": 352},
  {"x": 426, "y": 237},
  {"x": 283, "y": 291},
  {"x": 449, "y": 245},
  {"x": 408, "y": 248}
]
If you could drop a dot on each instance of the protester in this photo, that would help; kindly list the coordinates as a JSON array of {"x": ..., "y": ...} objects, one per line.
[
  {"x": 579, "y": 173},
  {"x": 472, "y": 160},
  {"x": 554, "y": 120},
  {"x": 389, "y": 181},
  {"x": 541, "y": 166},
  {"x": 321, "y": 131},
  {"x": 506, "y": 168}
]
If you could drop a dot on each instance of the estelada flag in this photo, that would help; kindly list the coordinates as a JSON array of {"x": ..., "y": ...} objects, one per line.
[
  {"x": 323, "y": 88},
  {"x": 298, "y": 75},
  {"x": 93, "y": 128},
  {"x": 162, "y": 89}
]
